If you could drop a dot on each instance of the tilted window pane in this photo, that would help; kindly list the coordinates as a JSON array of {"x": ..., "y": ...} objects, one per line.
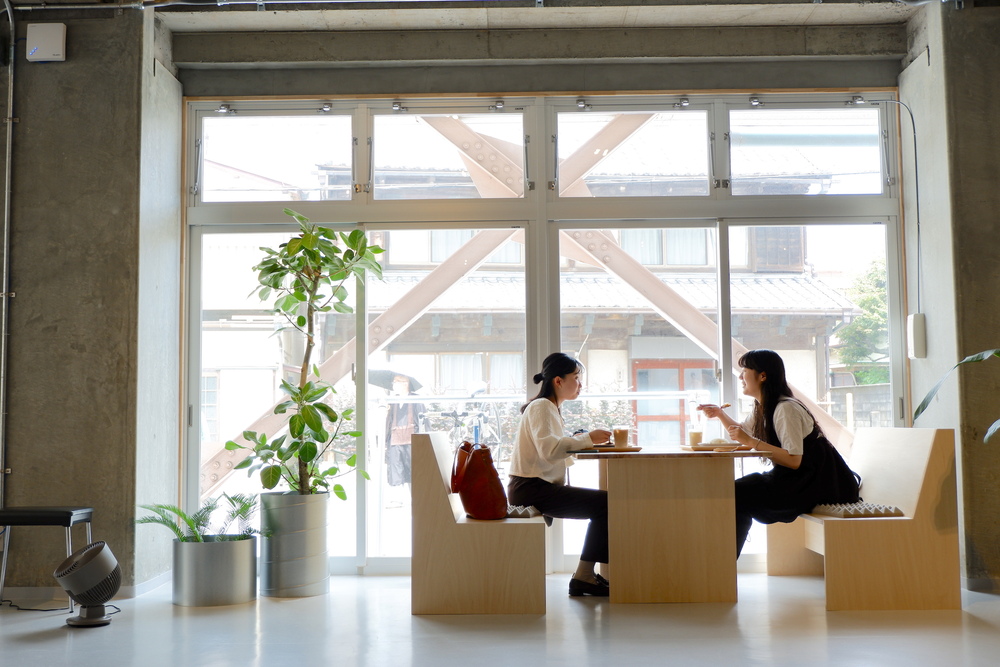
[
  {"x": 276, "y": 158},
  {"x": 805, "y": 152},
  {"x": 634, "y": 154},
  {"x": 455, "y": 156}
]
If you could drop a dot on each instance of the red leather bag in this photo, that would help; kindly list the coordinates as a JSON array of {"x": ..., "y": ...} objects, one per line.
[{"x": 475, "y": 480}]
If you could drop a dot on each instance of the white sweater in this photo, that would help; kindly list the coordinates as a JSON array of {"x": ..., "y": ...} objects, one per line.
[{"x": 541, "y": 449}]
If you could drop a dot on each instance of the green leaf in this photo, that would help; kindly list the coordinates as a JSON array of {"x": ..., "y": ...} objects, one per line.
[
  {"x": 364, "y": 474},
  {"x": 972, "y": 358},
  {"x": 233, "y": 446},
  {"x": 352, "y": 460},
  {"x": 330, "y": 413},
  {"x": 245, "y": 463},
  {"x": 282, "y": 408},
  {"x": 993, "y": 431},
  {"x": 312, "y": 417},
  {"x": 298, "y": 216},
  {"x": 338, "y": 491},
  {"x": 342, "y": 307},
  {"x": 270, "y": 476},
  {"x": 307, "y": 452},
  {"x": 293, "y": 246},
  {"x": 316, "y": 394},
  {"x": 301, "y": 321},
  {"x": 296, "y": 425}
]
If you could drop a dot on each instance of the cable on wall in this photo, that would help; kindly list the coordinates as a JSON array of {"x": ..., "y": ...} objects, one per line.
[{"x": 916, "y": 323}]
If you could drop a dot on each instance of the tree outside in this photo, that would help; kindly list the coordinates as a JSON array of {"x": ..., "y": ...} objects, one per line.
[{"x": 864, "y": 343}]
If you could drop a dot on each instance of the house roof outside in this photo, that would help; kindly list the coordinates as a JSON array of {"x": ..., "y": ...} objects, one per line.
[{"x": 783, "y": 294}]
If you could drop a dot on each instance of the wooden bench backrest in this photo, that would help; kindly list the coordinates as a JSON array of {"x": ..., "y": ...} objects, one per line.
[
  {"x": 433, "y": 457},
  {"x": 911, "y": 468}
]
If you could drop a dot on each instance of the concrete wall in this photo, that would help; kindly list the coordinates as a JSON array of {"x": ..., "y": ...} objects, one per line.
[
  {"x": 950, "y": 83},
  {"x": 92, "y": 395},
  {"x": 972, "y": 95},
  {"x": 158, "y": 355}
]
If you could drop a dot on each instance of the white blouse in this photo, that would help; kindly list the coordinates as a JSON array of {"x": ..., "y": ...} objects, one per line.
[
  {"x": 542, "y": 448},
  {"x": 792, "y": 423}
]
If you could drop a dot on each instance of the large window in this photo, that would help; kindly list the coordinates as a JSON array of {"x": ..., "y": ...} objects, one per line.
[
  {"x": 262, "y": 158},
  {"x": 653, "y": 237},
  {"x": 633, "y": 154},
  {"x": 453, "y": 156},
  {"x": 806, "y": 151}
]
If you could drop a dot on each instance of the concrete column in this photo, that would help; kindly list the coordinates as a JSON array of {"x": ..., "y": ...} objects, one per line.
[
  {"x": 95, "y": 264},
  {"x": 950, "y": 82}
]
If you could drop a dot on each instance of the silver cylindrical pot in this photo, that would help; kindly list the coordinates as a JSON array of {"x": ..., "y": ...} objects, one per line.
[
  {"x": 293, "y": 555},
  {"x": 212, "y": 573}
]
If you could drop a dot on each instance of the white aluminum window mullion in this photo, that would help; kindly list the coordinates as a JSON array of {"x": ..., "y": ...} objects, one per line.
[
  {"x": 895, "y": 295},
  {"x": 724, "y": 373}
]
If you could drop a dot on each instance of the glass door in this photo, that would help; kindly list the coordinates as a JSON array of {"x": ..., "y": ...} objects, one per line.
[
  {"x": 242, "y": 357},
  {"x": 446, "y": 349}
]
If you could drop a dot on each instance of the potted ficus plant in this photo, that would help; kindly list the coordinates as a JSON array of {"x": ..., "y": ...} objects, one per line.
[
  {"x": 212, "y": 566},
  {"x": 303, "y": 278}
]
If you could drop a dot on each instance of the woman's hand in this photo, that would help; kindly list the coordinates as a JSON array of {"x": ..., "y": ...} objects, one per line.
[
  {"x": 711, "y": 410},
  {"x": 600, "y": 436},
  {"x": 737, "y": 433}
]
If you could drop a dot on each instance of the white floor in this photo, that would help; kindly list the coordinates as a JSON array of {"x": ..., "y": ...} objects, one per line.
[{"x": 367, "y": 621}]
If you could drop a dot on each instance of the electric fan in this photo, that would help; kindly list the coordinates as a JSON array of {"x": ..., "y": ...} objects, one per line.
[{"x": 91, "y": 577}]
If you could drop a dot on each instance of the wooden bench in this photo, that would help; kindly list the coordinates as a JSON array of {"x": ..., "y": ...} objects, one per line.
[
  {"x": 907, "y": 562},
  {"x": 464, "y": 566}
]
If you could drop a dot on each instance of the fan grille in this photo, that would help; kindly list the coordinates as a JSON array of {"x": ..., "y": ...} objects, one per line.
[{"x": 102, "y": 591}]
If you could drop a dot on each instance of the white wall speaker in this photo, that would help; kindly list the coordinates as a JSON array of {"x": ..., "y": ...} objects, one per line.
[
  {"x": 46, "y": 42},
  {"x": 916, "y": 336}
]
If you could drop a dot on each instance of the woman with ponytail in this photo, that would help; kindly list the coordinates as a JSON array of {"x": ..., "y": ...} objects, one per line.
[
  {"x": 538, "y": 468},
  {"x": 808, "y": 470}
]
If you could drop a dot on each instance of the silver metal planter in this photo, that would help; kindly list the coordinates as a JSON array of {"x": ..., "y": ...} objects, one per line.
[
  {"x": 293, "y": 556},
  {"x": 210, "y": 573}
]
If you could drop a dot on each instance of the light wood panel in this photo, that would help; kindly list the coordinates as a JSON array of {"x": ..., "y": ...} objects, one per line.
[
  {"x": 672, "y": 529},
  {"x": 908, "y": 562},
  {"x": 464, "y": 566}
]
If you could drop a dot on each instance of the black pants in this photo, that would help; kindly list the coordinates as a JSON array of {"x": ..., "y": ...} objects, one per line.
[
  {"x": 567, "y": 502},
  {"x": 759, "y": 498}
]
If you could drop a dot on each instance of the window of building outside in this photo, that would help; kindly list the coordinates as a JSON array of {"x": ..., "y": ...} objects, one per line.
[{"x": 732, "y": 228}]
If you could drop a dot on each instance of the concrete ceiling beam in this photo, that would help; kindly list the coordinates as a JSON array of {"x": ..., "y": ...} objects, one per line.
[{"x": 406, "y": 47}]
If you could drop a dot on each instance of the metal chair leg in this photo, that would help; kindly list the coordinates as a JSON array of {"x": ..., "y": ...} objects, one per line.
[
  {"x": 69, "y": 552},
  {"x": 6, "y": 550}
]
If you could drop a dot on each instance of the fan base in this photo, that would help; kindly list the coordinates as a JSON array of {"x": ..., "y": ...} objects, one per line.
[{"x": 89, "y": 617}]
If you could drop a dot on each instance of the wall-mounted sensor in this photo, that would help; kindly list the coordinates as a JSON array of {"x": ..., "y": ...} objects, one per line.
[
  {"x": 916, "y": 336},
  {"x": 46, "y": 42}
]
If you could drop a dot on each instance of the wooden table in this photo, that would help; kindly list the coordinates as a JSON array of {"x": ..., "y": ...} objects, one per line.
[{"x": 671, "y": 523}]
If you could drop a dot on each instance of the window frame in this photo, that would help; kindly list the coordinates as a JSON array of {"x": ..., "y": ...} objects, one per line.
[{"x": 542, "y": 214}]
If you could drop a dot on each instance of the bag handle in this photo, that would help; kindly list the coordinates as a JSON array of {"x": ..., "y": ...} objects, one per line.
[{"x": 460, "y": 464}]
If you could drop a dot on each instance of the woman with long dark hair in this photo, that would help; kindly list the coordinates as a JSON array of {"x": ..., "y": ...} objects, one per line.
[
  {"x": 538, "y": 468},
  {"x": 807, "y": 471}
]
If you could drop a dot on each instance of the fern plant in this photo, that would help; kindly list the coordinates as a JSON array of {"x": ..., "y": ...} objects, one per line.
[{"x": 196, "y": 527}]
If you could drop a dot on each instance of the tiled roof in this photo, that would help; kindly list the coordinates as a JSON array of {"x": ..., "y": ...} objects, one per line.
[{"x": 773, "y": 293}]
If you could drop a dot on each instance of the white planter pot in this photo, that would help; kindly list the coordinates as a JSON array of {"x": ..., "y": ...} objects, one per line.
[
  {"x": 210, "y": 573},
  {"x": 293, "y": 556}
]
